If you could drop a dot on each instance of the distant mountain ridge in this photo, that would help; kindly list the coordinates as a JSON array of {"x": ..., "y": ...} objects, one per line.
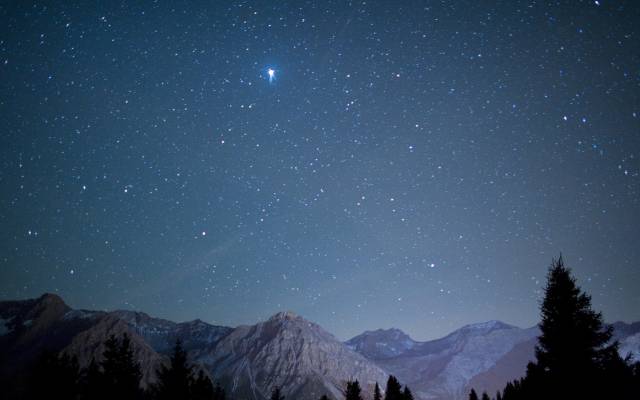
[
  {"x": 443, "y": 368},
  {"x": 483, "y": 356},
  {"x": 381, "y": 343},
  {"x": 285, "y": 350}
]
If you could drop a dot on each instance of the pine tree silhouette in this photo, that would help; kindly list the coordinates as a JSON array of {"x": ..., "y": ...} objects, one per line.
[
  {"x": 92, "y": 382},
  {"x": 276, "y": 394},
  {"x": 406, "y": 394},
  {"x": 218, "y": 393},
  {"x": 120, "y": 372},
  {"x": 376, "y": 392},
  {"x": 174, "y": 381},
  {"x": 394, "y": 389},
  {"x": 485, "y": 396},
  {"x": 201, "y": 387},
  {"x": 575, "y": 358},
  {"x": 54, "y": 376},
  {"x": 573, "y": 340},
  {"x": 473, "y": 395},
  {"x": 353, "y": 391},
  {"x": 514, "y": 390}
]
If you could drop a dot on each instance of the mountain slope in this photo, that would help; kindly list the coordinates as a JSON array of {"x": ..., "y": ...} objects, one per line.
[
  {"x": 249, "y": 361},
  {"x": 290, "y": 352},
  {"x": 441, "y": 369},
  {"x": 628, "y": 336},
  {"x": 381, "y": 343},
  {"x": 484, "y": 356},
  {"x": 286, "y": 350}
]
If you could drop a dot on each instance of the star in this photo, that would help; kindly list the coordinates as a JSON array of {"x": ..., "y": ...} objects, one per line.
[{"x": 272, "y": 74}]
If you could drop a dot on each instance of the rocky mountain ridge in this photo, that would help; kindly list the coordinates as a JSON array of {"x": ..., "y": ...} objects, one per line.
[{"x": 285, "y": 350}]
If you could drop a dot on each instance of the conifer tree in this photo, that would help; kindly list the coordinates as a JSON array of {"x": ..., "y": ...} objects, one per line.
[
  {"x": 473, "y": 395},
  {"x": 92, "y": 382},
  {"x": 56, "y": 376},
  {"x": 174, "y": 381},
  {"x": 219, "y": 393},
  {"x": 120, "y": 372},
  {"x": 354, "y": 392},
  {"x": 376, "y": 392},
  {"x": 575, "y": 357},
  {"x": 276, "y": 394},
  {"x": 406, "y": 394},
  {"x": 202, "y": 388},
  {"x": 573, "y": 342},
  {"x": 485, "y": 396},
  {"x": 394, "y": 389}
]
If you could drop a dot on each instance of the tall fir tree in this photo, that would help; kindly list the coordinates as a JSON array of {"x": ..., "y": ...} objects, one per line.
[
  {"x": 485, "y": 396},
  {"x": 406, "y": 393},
  {"x": 120, "y": 372},
  {"x": 393, "y": 390},
  {"x": 54, "y": 376},
  {"x": 276, "y": 394},
  {"x": 573, "y": 340},
  {"x": 575, "y": 357},
  {"x": 92, "y": 382},
  {"x": 202, "y": 388},
  {"x": 219, "y": 393},
  {"x": 473, "y": 395},
  {"x": 174, "y": 381},
  {"x": 376, "y": 392},
  {"x": 354, "y": 392}
]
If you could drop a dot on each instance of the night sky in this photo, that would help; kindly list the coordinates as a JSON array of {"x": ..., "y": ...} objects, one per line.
[{"x": 414, "y": 164}]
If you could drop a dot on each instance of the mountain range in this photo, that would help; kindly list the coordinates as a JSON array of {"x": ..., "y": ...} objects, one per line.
[{"x": 286, "y": 350}]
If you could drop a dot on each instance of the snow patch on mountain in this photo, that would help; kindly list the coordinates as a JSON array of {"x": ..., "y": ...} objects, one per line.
[
  {"x": 630, "y": 345},
  {"x": 80, "y": 314},
  {"x": 381, "y": 343}
]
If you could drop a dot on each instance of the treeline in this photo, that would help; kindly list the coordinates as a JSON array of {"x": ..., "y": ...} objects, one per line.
[
  {"x": 353, "y": 391},
  {"x": 575, "y": 356},
  {"x": 394, "y": 391},
  {"x": 117, "y": 376}
]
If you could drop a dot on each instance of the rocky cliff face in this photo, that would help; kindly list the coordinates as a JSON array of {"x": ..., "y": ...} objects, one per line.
[
  {"x": 442, "y": 369},
  {"x": 31, "y": 326},
  {"x": 484, "y": 356},
  {"x": 286, "y": 350},
  {"x": 162, "y": 334},
  {"x": 290, "y": 352},
  {"x": 628, "y": 336},
  {"x": 28, "y": 328},
  {"x": 381, "y": 343},
  {"x": 89, "y": 345}
]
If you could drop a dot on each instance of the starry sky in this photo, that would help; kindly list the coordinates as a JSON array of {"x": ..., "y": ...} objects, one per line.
[{"x": 409, "y": 164}]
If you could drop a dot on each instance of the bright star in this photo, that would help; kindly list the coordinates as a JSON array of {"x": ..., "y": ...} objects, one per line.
[{"x": 272, "y": 74}]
